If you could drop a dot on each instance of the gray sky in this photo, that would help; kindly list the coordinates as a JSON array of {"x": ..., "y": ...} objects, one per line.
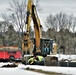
[
  {"x": 47, "y": 6},
  {"x": 57, "y": 6}
]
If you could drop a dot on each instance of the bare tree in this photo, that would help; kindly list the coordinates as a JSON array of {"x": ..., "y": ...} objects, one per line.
[
  {"x": 74, "y": 31},
  {"x": 18, "y": 15},
  {"x": 37, "y": 4},
  {"x": 63, "y": 25},
  {"x": 5, "y": 24}
]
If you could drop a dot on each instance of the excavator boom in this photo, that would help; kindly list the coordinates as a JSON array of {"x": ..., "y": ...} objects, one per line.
[
  {"x": 37, "y": 28},
  {"x": 27, "y": 43},
  {"x": 28, "y": 18}
]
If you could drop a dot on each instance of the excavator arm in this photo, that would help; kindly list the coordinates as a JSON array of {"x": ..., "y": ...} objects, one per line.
[
  {"x": 32, "y": 15},
  {"x": 27, "y": 44},
  {"x": 28, "y": 18},
  {"x": 37, "y": 29}
]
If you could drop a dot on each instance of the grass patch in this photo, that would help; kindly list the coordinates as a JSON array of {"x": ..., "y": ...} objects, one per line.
[{"x": 45, "y": 72}]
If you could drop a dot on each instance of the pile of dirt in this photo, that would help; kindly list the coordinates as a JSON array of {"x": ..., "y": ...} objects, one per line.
[{"x": 10, "y": 65}]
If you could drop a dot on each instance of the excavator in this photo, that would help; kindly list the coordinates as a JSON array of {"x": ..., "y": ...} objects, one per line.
[{"x": 37, "y": 45}]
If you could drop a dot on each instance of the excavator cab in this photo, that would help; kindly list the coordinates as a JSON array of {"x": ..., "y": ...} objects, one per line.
[{"x": 46, "y": 47}]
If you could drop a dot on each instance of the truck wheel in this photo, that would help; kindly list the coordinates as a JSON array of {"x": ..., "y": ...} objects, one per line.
[{"x": 12, "y": 58}]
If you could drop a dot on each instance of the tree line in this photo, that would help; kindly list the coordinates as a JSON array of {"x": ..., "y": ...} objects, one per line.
[
  {"x": 60, "y": 27},
  {"x": 62, "y": 31}
]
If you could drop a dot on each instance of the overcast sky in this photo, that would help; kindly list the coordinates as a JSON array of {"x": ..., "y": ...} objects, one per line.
[{"x": 47, "y": 6}]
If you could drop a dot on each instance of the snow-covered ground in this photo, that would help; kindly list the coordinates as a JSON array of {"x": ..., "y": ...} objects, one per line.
[
  {"x": 20, "y": 70},
  {"x": 16, "y": 71},
  {"x": 63, "y": 70}
]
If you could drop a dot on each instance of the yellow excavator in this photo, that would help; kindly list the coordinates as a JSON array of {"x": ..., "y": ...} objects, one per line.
[
  {"x": 38, "y": 45},
  {"x": 27, "y": 43}
]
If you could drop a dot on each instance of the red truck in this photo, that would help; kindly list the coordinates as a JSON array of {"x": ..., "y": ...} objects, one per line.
[{"x": 10, "y": 53}]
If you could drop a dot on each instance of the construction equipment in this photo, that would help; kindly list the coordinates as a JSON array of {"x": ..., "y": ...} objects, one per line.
[{"x": 38, "y": 45}]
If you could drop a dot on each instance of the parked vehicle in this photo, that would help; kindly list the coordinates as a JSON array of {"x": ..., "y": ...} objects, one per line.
[{"x": 10, "y": 53}]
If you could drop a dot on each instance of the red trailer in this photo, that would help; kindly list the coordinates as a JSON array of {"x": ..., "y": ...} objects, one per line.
[{"x": 10, "y": 53}]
